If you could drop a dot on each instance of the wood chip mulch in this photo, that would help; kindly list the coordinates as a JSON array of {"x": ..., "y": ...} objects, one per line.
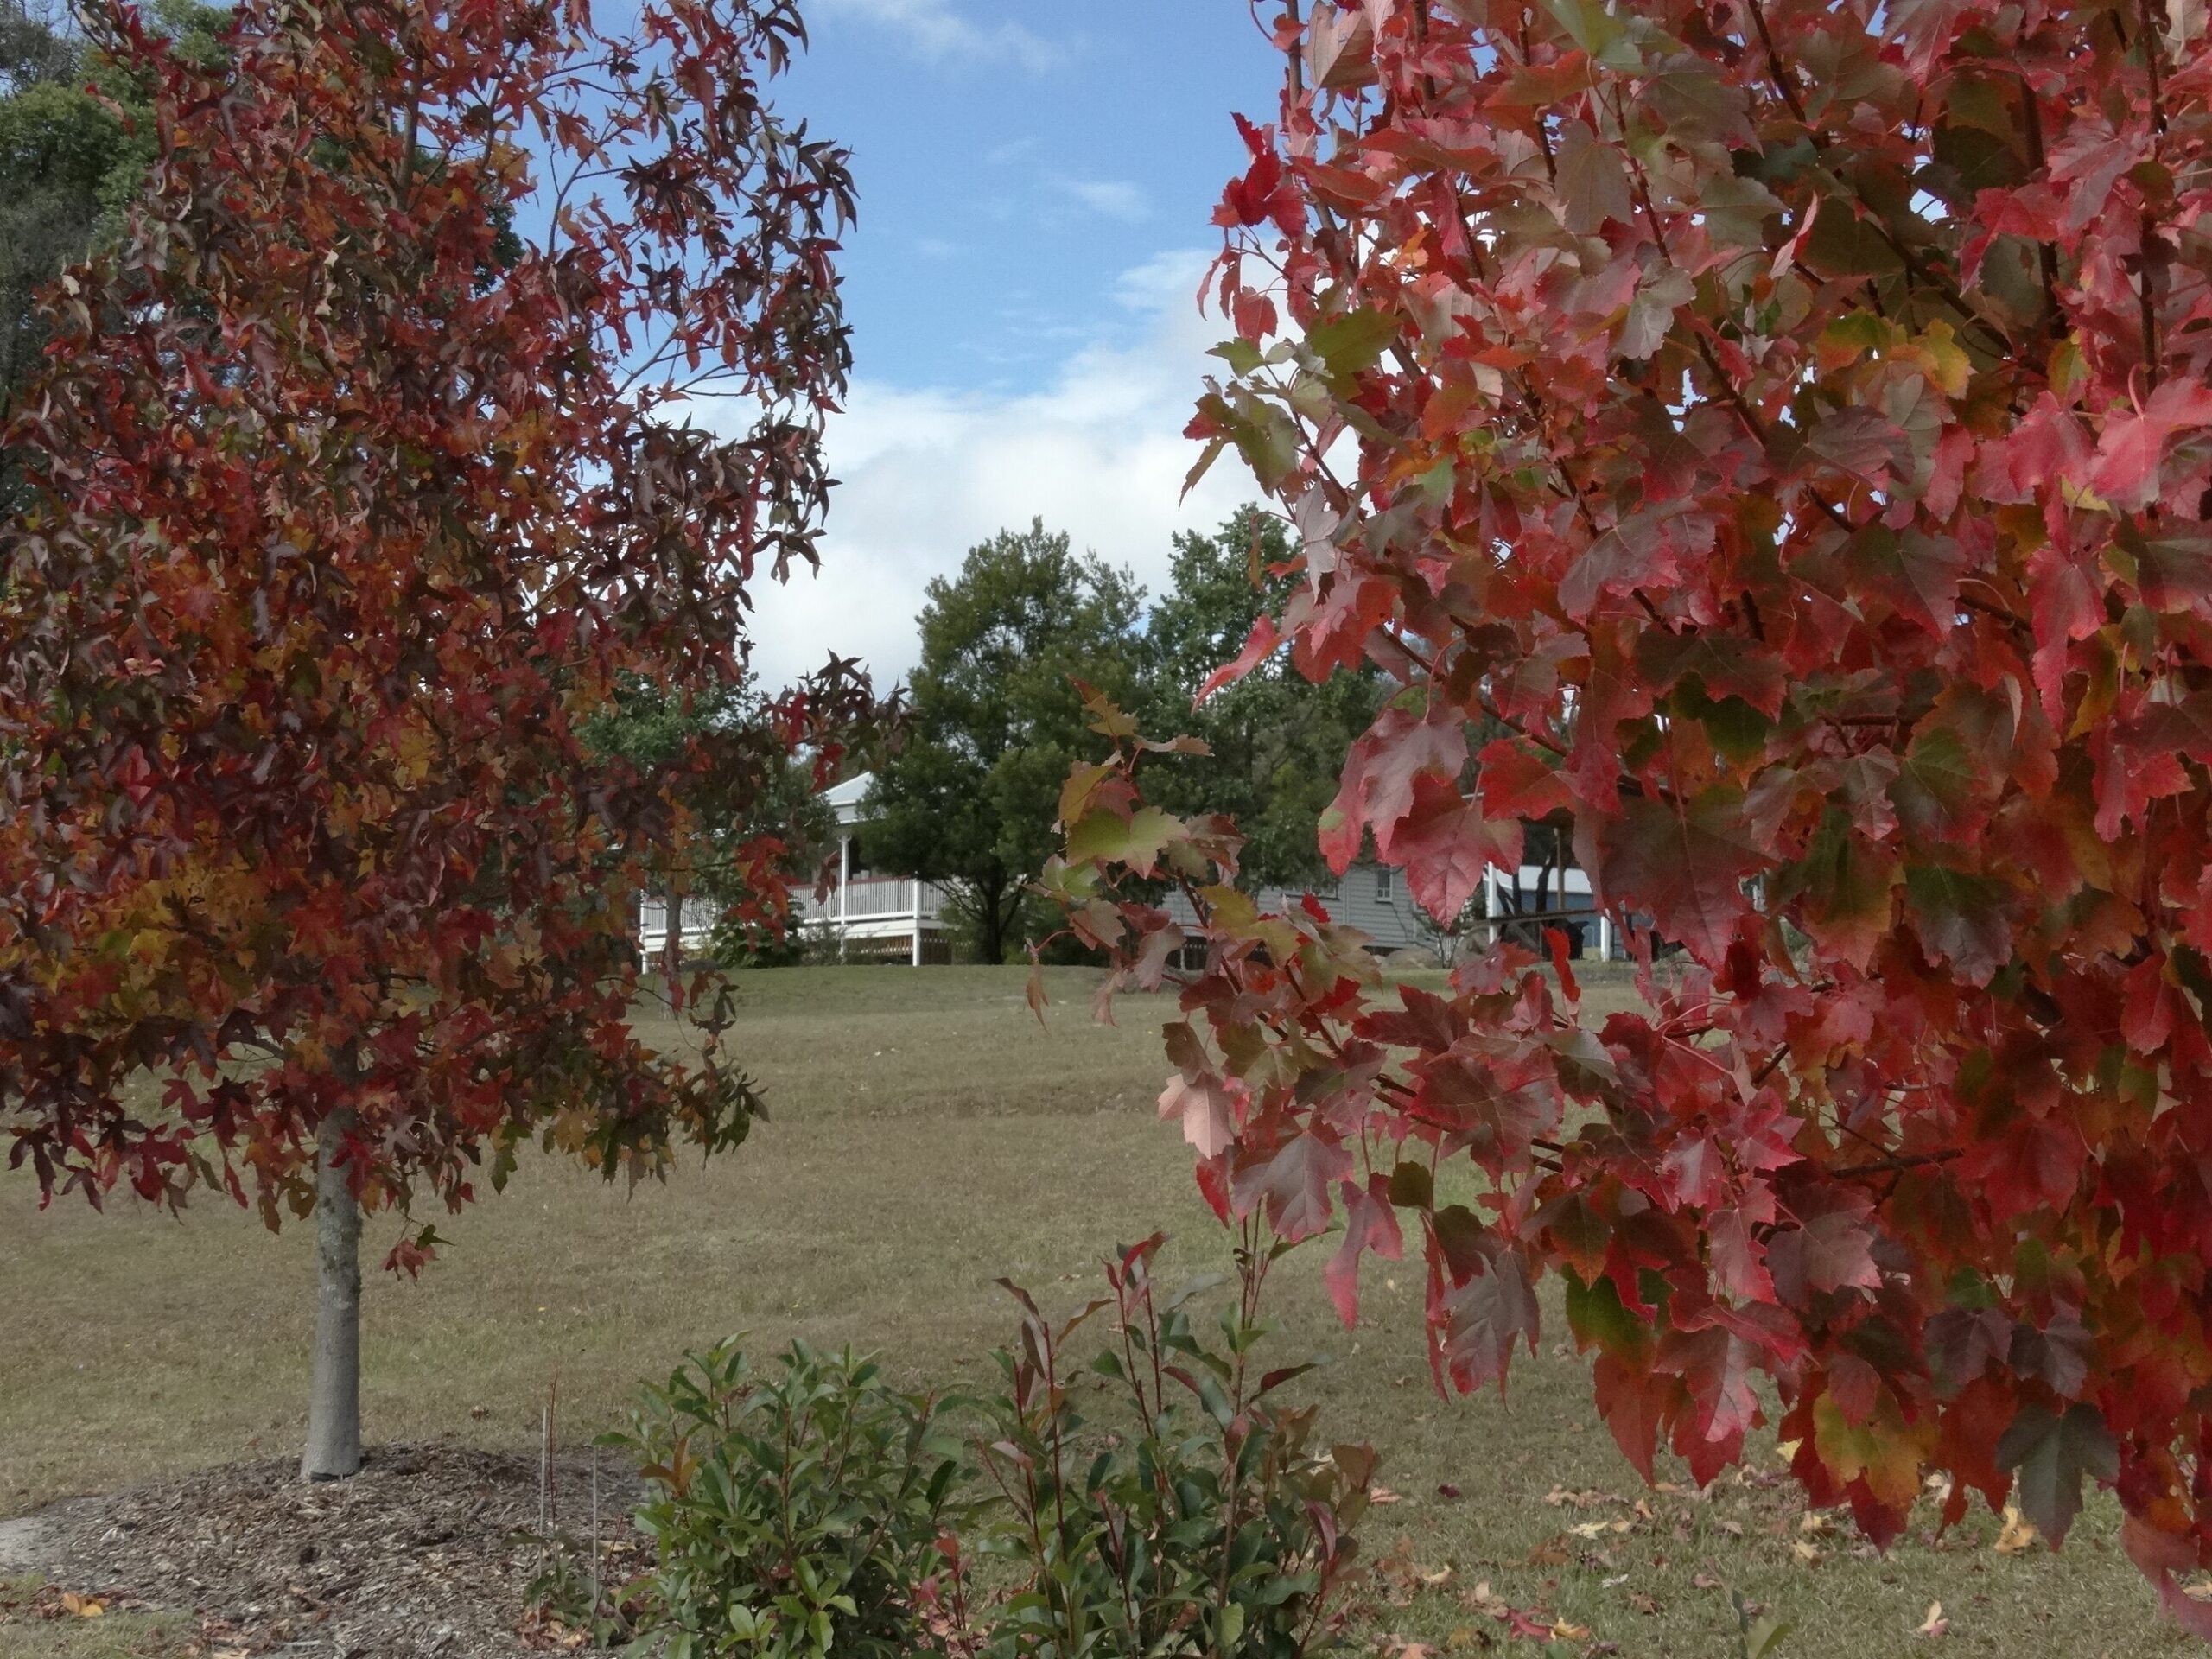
[{"x": 427, "y": 1553}]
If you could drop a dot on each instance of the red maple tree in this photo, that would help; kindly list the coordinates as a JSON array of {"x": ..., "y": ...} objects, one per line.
[
  {"x": 1774, "y": 438},
  {"x": 363, "y": 485}
]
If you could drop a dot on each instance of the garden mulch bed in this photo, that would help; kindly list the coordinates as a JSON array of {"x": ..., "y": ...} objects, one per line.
[{"x": 424, "y": 1554}]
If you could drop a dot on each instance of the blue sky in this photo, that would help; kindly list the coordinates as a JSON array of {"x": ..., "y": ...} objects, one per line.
[
  {"x": 1014, "y": 159},
  {"x": 1036, "y": 179}
]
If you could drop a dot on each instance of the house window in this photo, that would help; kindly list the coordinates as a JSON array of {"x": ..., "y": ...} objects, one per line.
[{"x": 1386, "y": 884}]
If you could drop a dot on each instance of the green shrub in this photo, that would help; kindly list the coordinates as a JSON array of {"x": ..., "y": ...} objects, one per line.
[
  {"x": 795, "y": 1512},
  {"x": 814, "y": 1511},
  {"x": 735, "y": 946},
  {"x": 1203, "y": 1521}
]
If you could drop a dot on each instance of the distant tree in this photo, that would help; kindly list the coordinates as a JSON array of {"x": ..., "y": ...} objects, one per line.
[
  {"x": 76, "y": 140},
  {"x": 970, "y": 800},
  {"x": 1277, "y": 738},
  {"x": 349, "y": 513},
  {"x": 667, "y": 736},
  {"x": 36, "y": 47}
]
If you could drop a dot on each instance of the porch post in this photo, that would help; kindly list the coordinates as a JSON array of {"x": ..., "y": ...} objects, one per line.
[
  {"x": 918, "y": 921},
  {"x": 1490, "y": 899},
  {"x": 844, "y": 883}
]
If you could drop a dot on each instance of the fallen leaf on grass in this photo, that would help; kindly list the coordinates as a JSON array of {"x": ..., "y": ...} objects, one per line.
[
  {"x": 1521, "y": 1623},
  {"x": 1586, "y": 1499},
  {"x": 1446, "y": 1490},
  {"x": 79, "y": 1606},
  {"x": 1935, "y": 1623},
  {"x": 1805, "y": 1553},
  {"x": 1484, "y": 1599},
  {"x": 1563, "y": 1630},
  {"x": 2018, "y": 1533},
  {"x": 1646, "y": 1605},
  {"x": 1599, "y": 1528}
]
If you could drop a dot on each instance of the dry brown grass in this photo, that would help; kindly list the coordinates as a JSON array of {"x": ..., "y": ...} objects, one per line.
[{"x": 928, "y": 1138}]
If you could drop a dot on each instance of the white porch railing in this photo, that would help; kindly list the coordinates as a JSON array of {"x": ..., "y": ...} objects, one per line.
[
  {"x": 699, "y": 918},
  {"x": 875, "y": 898}
]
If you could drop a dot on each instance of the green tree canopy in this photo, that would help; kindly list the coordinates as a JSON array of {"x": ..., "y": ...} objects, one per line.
[
  {"x": 69, "y": 167},
  {"x": 1278, "y": 739},
  {"x": 660, "y": 734},
  {"x": 970, "y": 798}
]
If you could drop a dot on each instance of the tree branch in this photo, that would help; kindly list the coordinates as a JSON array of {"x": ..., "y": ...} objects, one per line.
[
  {"x": 1894, "y": 1166},
  {"x": 1785, "y": 83}
]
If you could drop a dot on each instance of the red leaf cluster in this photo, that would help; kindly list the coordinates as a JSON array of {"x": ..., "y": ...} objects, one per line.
[
  {"x": 1781, "y": 433},
  {"x": 360, "y": 491}
]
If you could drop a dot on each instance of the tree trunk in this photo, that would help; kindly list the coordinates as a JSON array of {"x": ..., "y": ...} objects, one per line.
[
  {"x": 333, "y": 1449},
  {"x": 671, "y": 946},
  {"x": 992, "y": 946}
]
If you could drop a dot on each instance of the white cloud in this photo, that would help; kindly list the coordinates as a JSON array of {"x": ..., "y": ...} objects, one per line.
[
  {"x": 1098, "y": 452},
  {"x": 940, "y": 33},
  {"x": 1010, "y": 152},
  {"x": 1108, "y": 198}
]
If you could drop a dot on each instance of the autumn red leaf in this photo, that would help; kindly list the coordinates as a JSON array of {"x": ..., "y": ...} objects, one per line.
[
  {"x": 1205, "y": 1108},
  {"x": 1771, "y": 446},
  {"x": 1371, "y": 1223},
  {"x": 363, "y": 483}
]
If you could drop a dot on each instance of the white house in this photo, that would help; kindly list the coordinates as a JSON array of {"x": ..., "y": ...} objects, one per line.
[
  {"x": 877, "y": 914},
  {"x": 1374, "y": 898},
  {"x": 868, "y": 913}
]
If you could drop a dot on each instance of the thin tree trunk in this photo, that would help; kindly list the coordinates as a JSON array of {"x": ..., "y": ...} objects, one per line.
[
  {"x": 671, "y": 946},
  {"x": 333, "y": 1449},
  {"x": 994, "y": 939},
  {"x": 1570, "y": 931}
]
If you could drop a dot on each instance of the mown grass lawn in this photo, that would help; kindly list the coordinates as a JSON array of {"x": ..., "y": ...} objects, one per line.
[{"x": 929, "y": 1138}]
